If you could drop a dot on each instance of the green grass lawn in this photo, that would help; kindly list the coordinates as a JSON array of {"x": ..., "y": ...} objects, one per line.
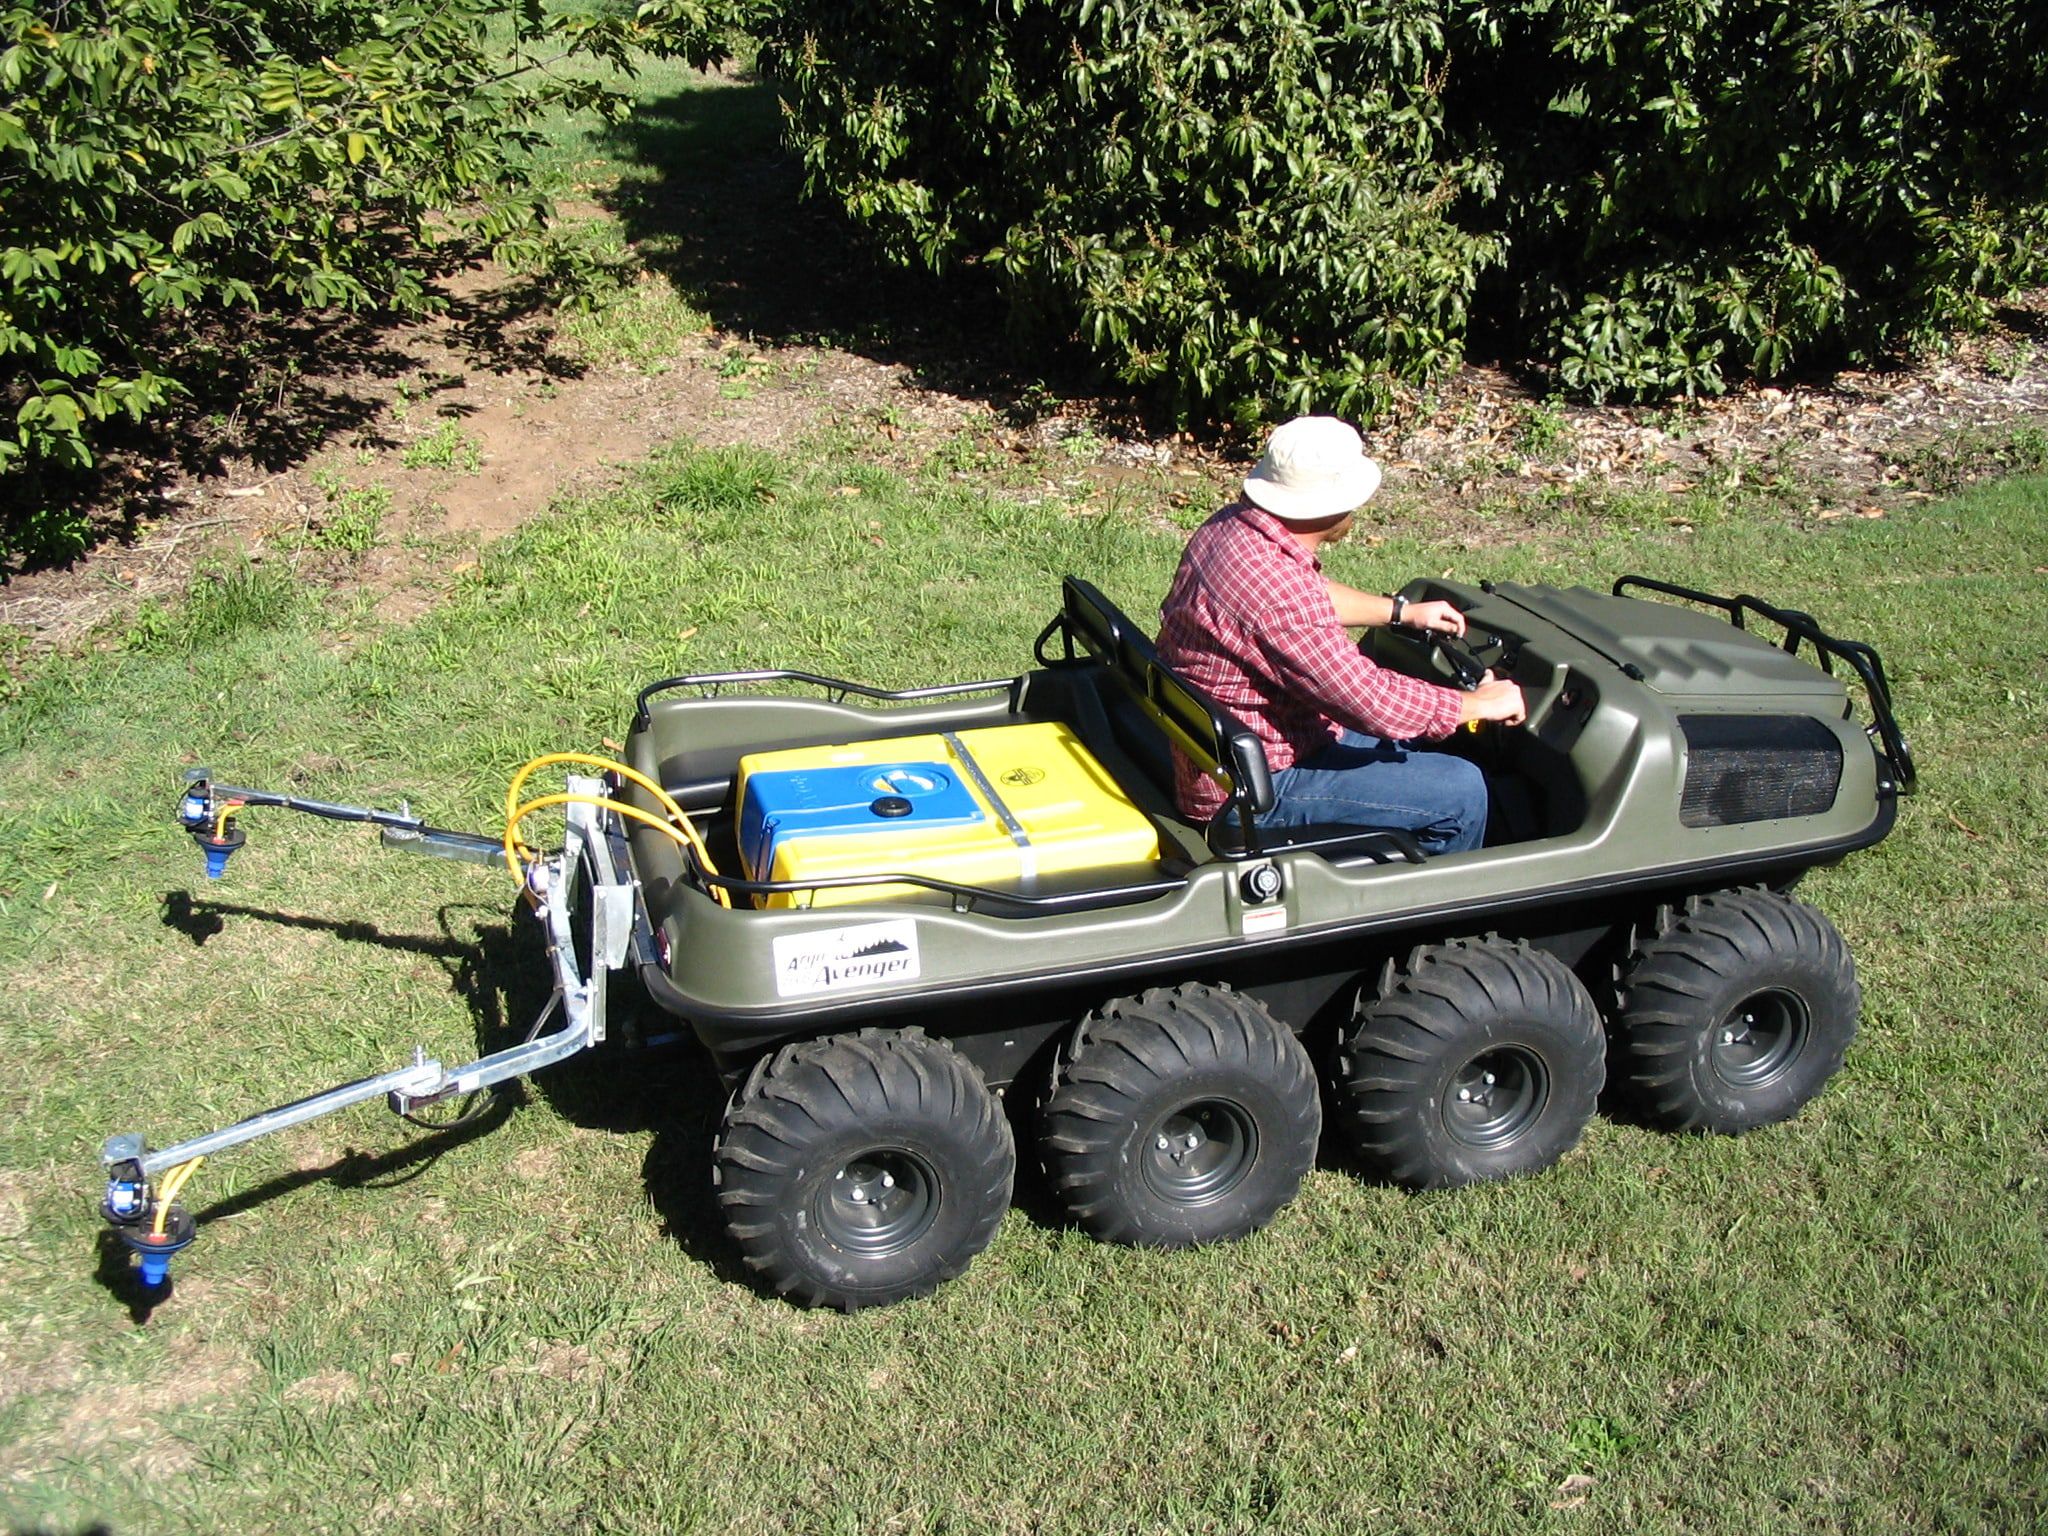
[{"x": 1840, "y": 1324}]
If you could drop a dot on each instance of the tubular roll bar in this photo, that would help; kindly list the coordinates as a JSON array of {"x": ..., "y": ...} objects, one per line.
[
  {"x": 1858, "y": 656},
  {"x": 836, "y": 688}
]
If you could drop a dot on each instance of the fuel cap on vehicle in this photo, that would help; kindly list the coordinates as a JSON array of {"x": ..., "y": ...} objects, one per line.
[{"x": 1260, "y": 883}]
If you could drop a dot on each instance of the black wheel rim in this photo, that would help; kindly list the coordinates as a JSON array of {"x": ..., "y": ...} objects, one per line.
[
  {"x": 878, "y": 1202},
  {"x": 1496, "y": 1096},
  {"x": 1200, "y": 1152},
  {"x": 1758, "y": 1039}
]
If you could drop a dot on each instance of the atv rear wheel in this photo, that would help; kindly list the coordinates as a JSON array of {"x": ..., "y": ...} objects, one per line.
[
  {"x": 1480, "y": 1060},
  {"x": 1736, "y": 1013},
  {"x": 863, "y": 1169},
  {"x": 1186, "y": 1115}
]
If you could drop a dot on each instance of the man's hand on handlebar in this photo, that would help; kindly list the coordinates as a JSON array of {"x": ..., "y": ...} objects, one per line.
[
  {"x": 1435, "y": 614},
  {"x": 1494, "y": 699}
]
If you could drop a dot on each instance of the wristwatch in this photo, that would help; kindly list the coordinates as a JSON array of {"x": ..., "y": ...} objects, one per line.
[{"x": 1400, "y": 604}]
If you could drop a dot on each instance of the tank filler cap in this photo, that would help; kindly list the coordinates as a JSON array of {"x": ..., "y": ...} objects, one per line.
[{"x": 1260, "y": 883}]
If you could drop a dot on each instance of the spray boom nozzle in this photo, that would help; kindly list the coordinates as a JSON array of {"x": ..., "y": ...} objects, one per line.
[
  {"x": 211, "y": 825},
  {"x": 217, "y": 846},
  {"x": 155, "y": 1248}
]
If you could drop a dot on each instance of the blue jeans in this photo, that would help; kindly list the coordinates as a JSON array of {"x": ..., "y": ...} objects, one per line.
[{"x": 1363, "y": 781}]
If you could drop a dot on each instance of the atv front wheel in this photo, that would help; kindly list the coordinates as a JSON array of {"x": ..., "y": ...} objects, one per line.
[
  {"x": 1186, "y": 1115},
  {"x": 863, "y": 1169},
  {"x": 1735, "y": 1014},
  {"x": 1481, "y": 1060}
]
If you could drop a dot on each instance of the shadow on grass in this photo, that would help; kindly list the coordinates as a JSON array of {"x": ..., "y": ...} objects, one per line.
[
  {"x": 270, "y": 389},
  {"x": 2028, "y": 322},
  {"x": 619, "y": 1087},
  {"x": 648, "y": 1078},
  {"x": 501, "y": 974},
  {"x": 116, "y": 1271},
  {"x": 717, "y": 206},
  {"x": 665, "y": 1089},
  {"x": 709, "y": 199}
]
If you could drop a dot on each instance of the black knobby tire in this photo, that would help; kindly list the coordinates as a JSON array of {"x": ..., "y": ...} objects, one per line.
[
  {"x": 1479, "y": 1060},
  {"x": 863, "y": 1169},
  {"x": 1735, "y": 1014},
  {"x": 1185, "y": 1115}
]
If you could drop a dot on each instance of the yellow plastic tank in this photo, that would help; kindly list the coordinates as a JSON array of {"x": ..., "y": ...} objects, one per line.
[{"x": 1047, "y": 807}]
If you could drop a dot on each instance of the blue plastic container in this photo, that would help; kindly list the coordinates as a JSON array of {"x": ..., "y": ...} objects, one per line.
[{"x": 848, "y": 798}]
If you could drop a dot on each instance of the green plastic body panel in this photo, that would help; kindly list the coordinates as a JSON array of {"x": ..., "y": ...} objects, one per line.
[{"x": 1598, "y": 771}]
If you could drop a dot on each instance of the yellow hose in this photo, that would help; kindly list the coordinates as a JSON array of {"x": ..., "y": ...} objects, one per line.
[
  {"x": 174, "y": 1181},
  {"x": 661, "y": 795},
  {"x": 685, "y": 836},
  {"x": 515, "y": 813}
]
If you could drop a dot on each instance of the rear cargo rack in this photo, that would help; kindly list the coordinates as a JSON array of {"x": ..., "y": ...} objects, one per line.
[{"x": 1800, "y": 628}]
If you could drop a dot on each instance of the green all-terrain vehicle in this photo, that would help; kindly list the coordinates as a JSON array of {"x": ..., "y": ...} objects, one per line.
[{"x": 881, "y": 912}]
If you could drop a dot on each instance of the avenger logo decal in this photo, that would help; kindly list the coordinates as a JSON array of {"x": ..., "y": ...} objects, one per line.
[{"x": 866, "y": 955}]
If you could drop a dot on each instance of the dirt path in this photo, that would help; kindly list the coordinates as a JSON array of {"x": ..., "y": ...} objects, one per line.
[{"x": 461, "y": 427}]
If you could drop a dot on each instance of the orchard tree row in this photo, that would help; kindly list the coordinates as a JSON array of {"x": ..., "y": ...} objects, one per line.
[
  {"x": 1243, "y": 207},
  {"x": 1272, "y": 205}
]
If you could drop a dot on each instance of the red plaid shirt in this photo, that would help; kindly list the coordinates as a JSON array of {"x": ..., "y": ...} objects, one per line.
[{"x": 1249, "y": 622}]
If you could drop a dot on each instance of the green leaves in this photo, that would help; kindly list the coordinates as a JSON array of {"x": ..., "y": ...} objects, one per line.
[
  {"x": 1734, "y": 188},
  {"x": 1234, "y": 206},
  {"x": 1276, "y": 204},
  {"x": 160, "y": 157}
]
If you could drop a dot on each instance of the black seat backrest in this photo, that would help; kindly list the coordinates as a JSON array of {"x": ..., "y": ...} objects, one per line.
[{"x": 1188, "y": 719}]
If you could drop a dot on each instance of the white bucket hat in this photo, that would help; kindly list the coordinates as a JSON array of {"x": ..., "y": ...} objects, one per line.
[{"x": 1314, "y": 467}]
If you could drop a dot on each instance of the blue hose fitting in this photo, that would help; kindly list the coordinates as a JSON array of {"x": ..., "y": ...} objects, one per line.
[
  {"x": 155, "y": 1248},
  {"x": 127, "y": 1199}
]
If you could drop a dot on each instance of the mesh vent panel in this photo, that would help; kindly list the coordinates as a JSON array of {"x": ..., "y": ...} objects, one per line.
[{"x": 1756, "y": 768}]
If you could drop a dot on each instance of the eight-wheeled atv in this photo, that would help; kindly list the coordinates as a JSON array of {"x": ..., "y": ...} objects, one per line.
[{"x": 882, "y": 912}]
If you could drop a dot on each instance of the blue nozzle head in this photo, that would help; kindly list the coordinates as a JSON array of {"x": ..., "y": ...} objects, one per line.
[
  {"x": 218, "y": 847},
  {"x": 154, "y": 1249}
]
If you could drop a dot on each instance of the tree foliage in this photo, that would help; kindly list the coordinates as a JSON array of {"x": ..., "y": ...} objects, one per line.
[
  {"x": 164, "y": 160},
  {"x": 1274, "y": 204},
  {"x": 1704, "y": 189},
  {"x": 1231, "y": 202}
]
